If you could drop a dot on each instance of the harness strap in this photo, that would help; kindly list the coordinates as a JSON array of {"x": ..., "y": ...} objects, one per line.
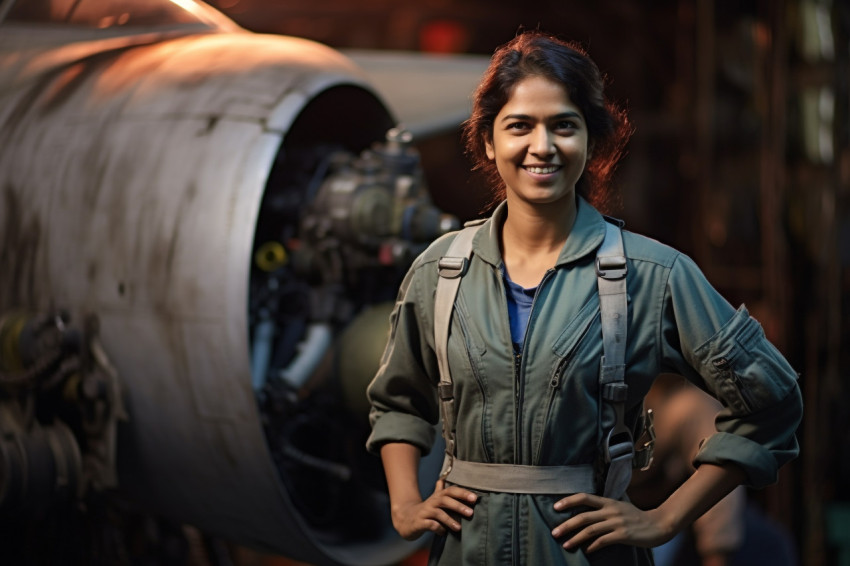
[
  {"x": 512, "y": 478},
  {"x": 452, "y": 267},
  {"x": 618, "y": 445}
]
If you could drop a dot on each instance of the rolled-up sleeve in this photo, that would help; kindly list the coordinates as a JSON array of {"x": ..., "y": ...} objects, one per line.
[
  {"x": 403, "y": 398},
  {"x": 725, "y": 352}
]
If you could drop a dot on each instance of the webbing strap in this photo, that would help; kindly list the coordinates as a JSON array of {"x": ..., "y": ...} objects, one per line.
[
  {"x": 613, "y": 304},
  {"x": 452, "y": 267},
  {"x": 618, "y": 445},
  {"x": 512, "y": 478}
]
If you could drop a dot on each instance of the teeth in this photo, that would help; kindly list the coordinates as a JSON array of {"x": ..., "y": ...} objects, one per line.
[{"x": 542, "y": 170}]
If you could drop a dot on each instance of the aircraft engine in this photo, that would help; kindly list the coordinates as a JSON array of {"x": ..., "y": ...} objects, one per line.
[{"x": 200, "y": 237}]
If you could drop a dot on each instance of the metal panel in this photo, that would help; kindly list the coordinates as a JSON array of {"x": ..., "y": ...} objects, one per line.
[{"x": 132, "y": 181}]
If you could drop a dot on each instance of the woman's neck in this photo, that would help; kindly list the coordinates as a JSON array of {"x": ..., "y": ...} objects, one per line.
[
  {"x": 532, "y": 238},
  {"x": 536, "y": 229}
]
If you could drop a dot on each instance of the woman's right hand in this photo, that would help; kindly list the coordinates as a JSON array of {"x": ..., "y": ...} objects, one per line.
[{"x": 436, "y": 514}]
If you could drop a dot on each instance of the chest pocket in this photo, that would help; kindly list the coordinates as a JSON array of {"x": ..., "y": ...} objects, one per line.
[
  {"x": 578, "y": 334},
  {"x": 473, "y": 339},
  {"x": 571, "y": 337},
  {"x": 574, "y": 392},
  {"x": 473, "y": 398},
  {"x": 466, "y": 349},
  {"x": 582, "y": 338}
]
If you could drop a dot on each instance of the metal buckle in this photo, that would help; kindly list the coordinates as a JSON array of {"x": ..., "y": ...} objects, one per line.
[
  {"x": 445, "y": 391},
  {"x": 614, "y": 450},
  {"x": 611, "y": 267},
  {"x": 453, "y": 267},
  {"x": 616, "y": 392},
  {"x": 645, "y": 455},
  {"x": 448, "y": 460}
]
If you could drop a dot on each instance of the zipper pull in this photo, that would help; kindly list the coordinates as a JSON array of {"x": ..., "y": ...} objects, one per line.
[
  {"x": 517, "y": 362},
  {"x": 559, "y": 372}
]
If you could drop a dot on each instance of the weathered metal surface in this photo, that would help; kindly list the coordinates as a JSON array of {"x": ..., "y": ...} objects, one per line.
[{"x": 131, "y": 181}]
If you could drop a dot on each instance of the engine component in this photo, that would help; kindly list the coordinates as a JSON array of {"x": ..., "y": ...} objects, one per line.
[
  {"x": 217, "y": 200},
  {"x": 41, "y": 465},
  {"x": 59, "y": 409}
]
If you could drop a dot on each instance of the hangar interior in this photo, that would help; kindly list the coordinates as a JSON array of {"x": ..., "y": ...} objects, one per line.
[{"x": 740, "y": 157}]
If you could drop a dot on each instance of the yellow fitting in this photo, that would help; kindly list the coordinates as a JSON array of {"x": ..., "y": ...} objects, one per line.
[
  {"x": 271, "y": 256},
  {"x": 11, "y": 327},
  {"x": 69, "y": 391}
]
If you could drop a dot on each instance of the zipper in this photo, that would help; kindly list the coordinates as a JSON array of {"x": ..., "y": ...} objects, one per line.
[
  {"x": 556, "y": 380},
  {"x": 519, "y": 373},
  {"x": 466, "y": 335},
  {"x": 517, "y": 406},
  {"x": 554, "y": 385},
  {"x": 743, "y": 394},
  {"x": 518, "y": 402}
]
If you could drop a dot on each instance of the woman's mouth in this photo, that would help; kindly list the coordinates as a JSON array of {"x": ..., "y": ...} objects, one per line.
[{"x": 541, "y": 169}]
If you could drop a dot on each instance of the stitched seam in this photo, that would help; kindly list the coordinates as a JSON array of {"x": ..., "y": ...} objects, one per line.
[{"x": 664, "y": 294}]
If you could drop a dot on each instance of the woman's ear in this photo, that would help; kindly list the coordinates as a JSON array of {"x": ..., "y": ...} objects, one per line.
[{"x": 488, "y": 147}]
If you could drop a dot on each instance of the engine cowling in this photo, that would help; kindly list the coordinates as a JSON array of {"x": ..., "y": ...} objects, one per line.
[{"x": 181, "y": 194}]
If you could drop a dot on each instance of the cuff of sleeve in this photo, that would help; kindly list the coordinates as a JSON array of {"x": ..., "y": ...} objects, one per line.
[
  {"x": 756, "y": 461},
  {"x": 401, "y": 427}
]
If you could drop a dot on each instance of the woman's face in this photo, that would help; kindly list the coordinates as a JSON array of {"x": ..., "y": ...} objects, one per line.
[{"x": 539, "y": 142}]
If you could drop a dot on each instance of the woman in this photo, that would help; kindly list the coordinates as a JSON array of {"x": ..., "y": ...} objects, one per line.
[{"x": 526, "y": 341}]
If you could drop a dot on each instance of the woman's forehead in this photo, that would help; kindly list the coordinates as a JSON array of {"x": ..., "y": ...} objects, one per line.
[{"x": 537, "y": 91}]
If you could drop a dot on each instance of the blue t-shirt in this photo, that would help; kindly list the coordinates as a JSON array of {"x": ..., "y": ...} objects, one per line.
[{"x": 519, "y": 309}]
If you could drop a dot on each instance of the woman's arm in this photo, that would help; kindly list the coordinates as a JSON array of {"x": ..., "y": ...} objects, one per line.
[
  {"x": 410, "y": 514},
  {"x": 617, "y": 522}
]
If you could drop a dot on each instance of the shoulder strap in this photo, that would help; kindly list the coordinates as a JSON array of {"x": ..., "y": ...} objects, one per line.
[
  {"x": 452, "y": 268},
  {"x": 611, "y": 272},
  {"x": 618, "y": 446}
]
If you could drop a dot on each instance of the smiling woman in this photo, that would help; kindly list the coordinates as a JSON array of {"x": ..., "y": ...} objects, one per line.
[
  {"x": 606, "y": 126},
  {"x": 561, "y": 322},
  {"x": 539, "y": 143}
]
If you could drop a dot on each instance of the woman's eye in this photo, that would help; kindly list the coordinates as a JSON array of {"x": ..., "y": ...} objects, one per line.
[
  {"x": 517, "y": 126},
  {"x": 566, "y": 125}
]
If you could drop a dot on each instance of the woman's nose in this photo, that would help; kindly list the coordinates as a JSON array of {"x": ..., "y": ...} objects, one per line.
[{"x": 542, "y": 142}]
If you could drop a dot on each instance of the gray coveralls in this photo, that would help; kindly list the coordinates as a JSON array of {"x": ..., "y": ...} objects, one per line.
[{"x": 544, "y": 408}]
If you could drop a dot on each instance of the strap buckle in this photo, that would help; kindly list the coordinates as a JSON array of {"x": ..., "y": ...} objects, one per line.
[
  {"x": 448, "y": 460},
  {"x": 616, "y": 392},
  {"x": 453, "y": 267},
  {"x": 611, "y": 267},
  {"x": 645, "y": 455},
  {"x": 445, "y": 390},
  {"x": 618, "y": 443}
]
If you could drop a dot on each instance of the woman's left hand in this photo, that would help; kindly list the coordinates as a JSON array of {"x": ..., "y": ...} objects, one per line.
[{"x": 610, "y": 522}]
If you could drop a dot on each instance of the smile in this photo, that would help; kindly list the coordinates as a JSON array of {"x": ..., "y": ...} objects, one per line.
[{"x": 542, "y": 170}]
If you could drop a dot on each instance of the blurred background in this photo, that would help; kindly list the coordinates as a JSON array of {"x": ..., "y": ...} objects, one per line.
[{"x": 740, "y": 158}]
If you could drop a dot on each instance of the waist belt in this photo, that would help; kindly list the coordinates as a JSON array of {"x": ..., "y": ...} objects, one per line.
[{"x": 514, "y": 478}]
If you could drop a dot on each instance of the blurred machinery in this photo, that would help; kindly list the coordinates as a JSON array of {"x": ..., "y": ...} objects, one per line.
[{"x": 202, "y": 229}]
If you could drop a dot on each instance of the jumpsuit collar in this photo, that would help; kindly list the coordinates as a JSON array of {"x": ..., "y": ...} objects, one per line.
[{"x": 585, "y": 237}]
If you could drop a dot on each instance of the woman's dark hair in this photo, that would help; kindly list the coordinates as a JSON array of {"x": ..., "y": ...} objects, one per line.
[{"x": 535, "y": 53}]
